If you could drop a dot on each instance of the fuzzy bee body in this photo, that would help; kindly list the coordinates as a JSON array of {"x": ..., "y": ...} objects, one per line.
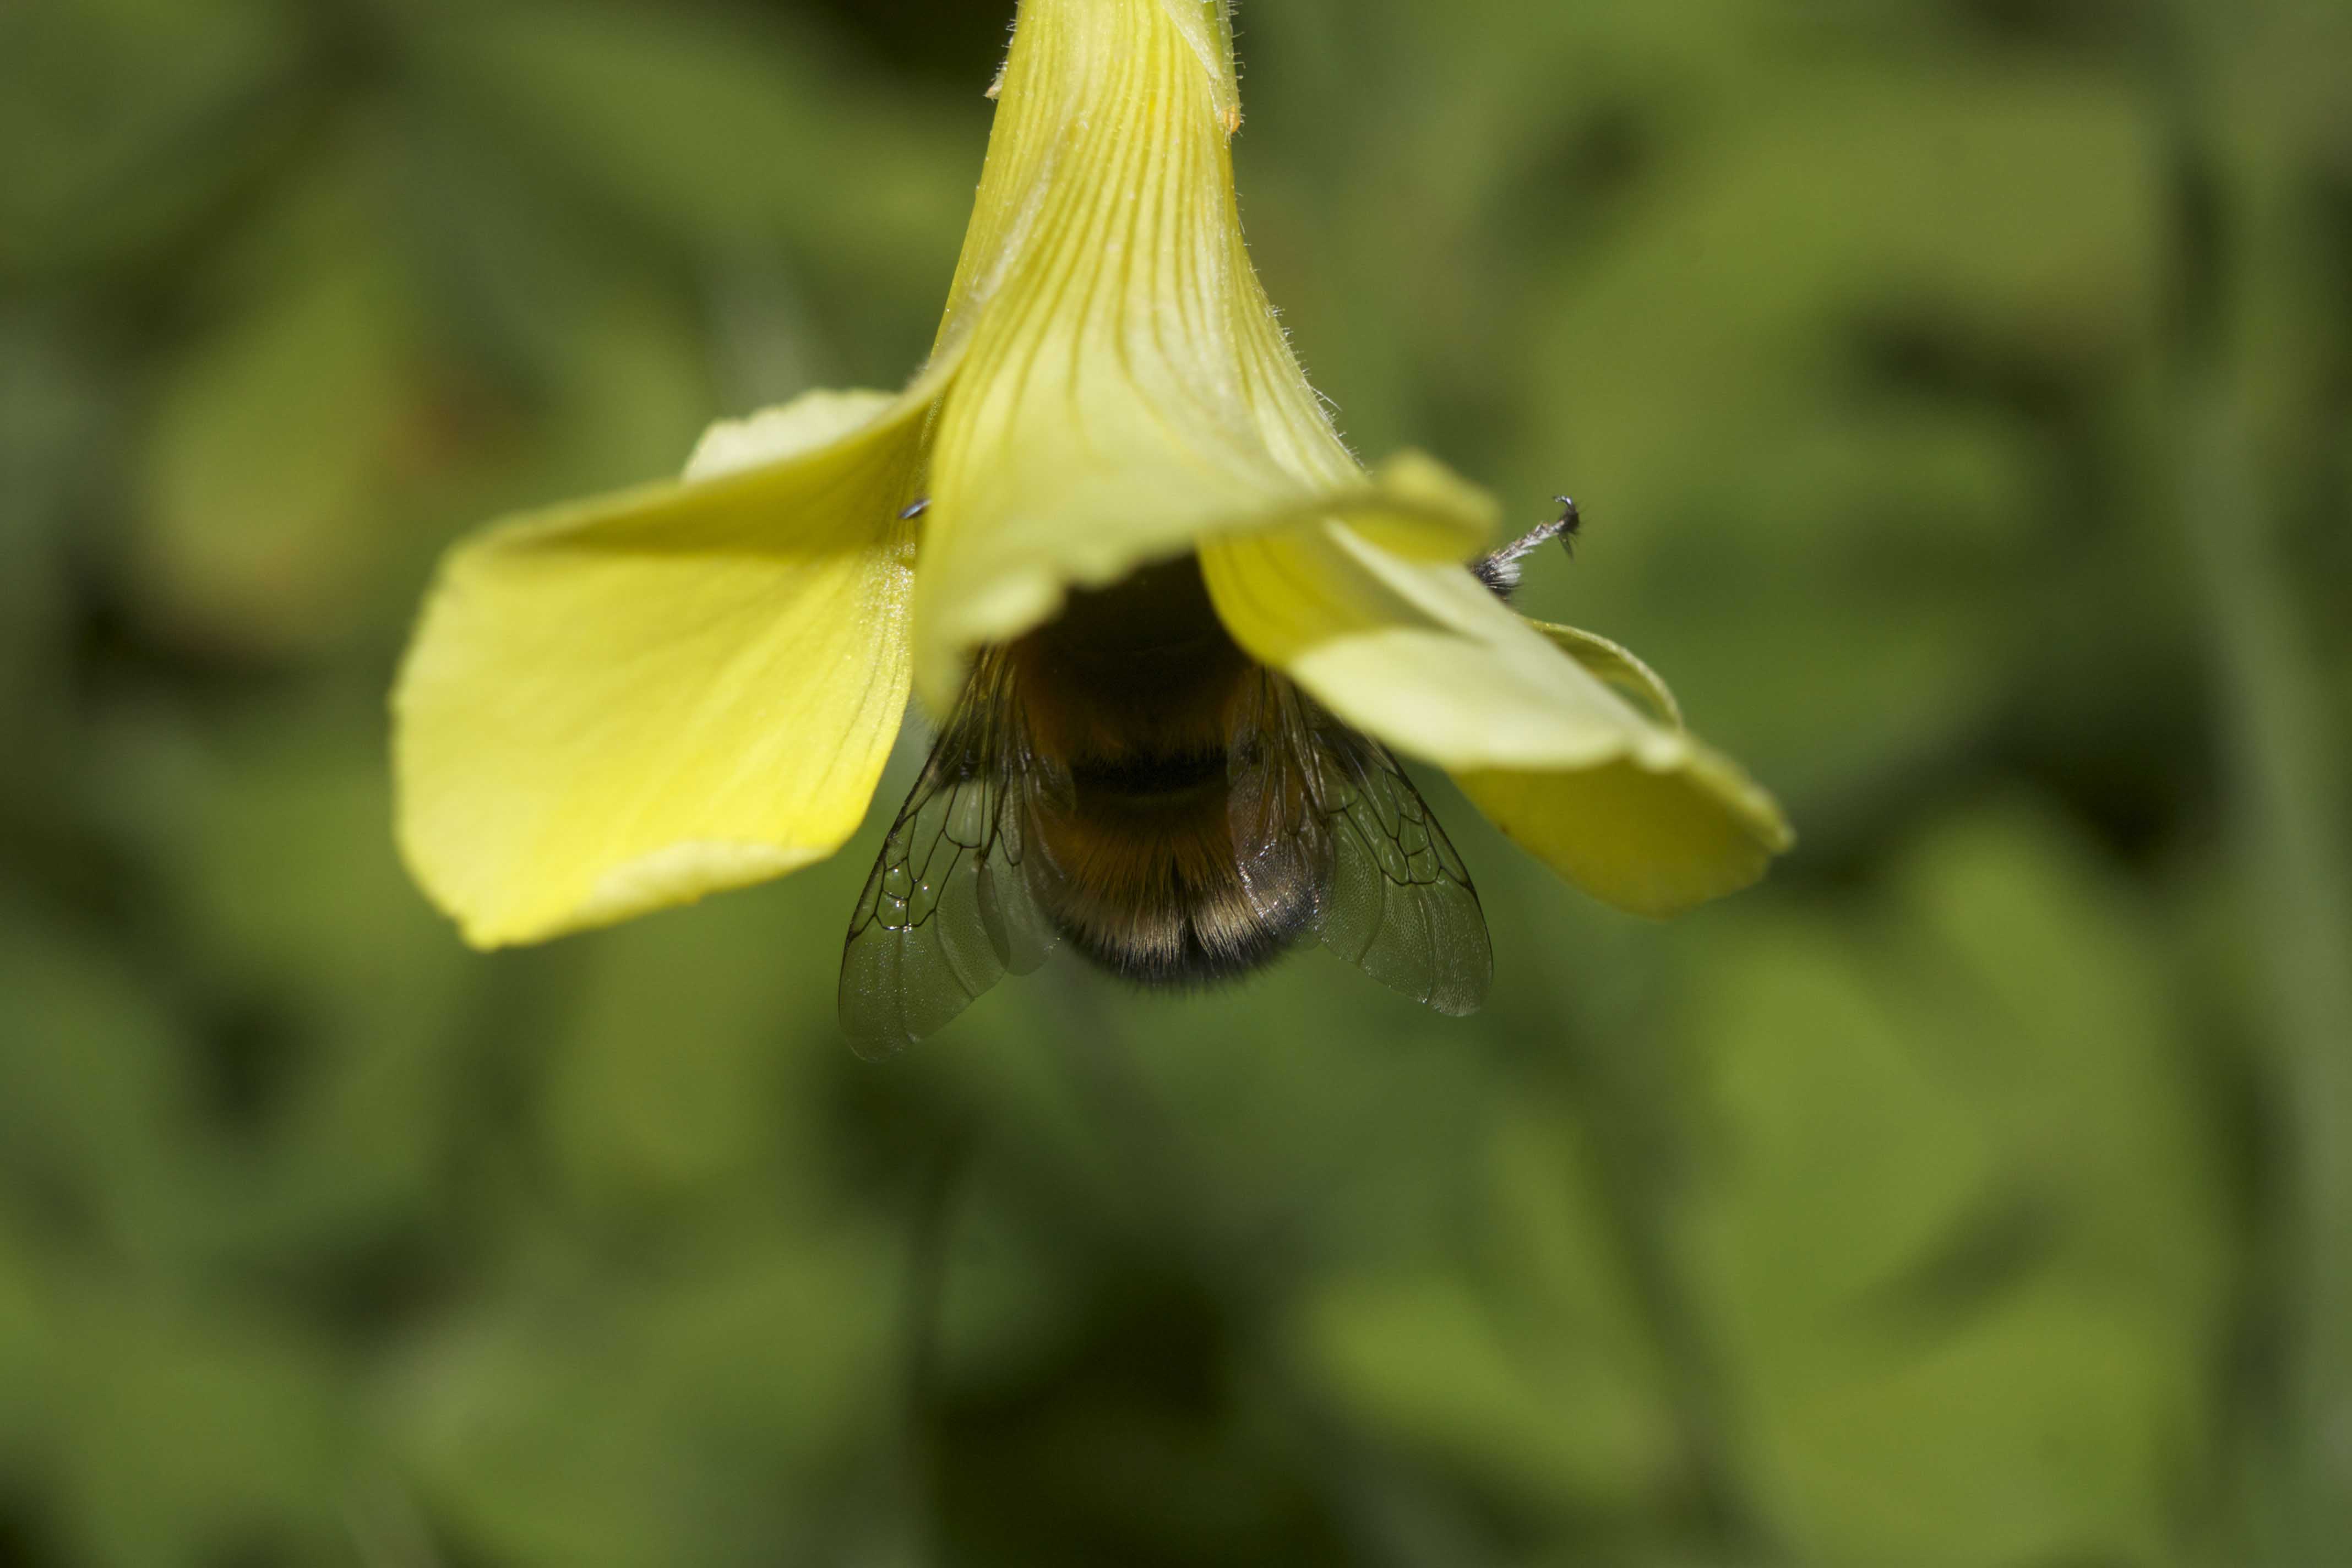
[
  {"x": 1126, "y": 781},
  {"x": 1137, "y": 694}
]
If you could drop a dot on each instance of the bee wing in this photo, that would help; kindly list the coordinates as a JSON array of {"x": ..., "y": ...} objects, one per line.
[
  {"x": 947, "y": 910},
  {"x": 1402, "y": 907},
  {"x": 1314, "y": 802}
]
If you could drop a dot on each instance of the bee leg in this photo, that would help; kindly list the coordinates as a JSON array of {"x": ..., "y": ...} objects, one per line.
[{"x": 1501, "y": 569}]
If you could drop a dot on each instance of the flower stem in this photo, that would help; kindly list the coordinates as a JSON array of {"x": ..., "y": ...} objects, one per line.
[{"x": 2284, "y": 787}]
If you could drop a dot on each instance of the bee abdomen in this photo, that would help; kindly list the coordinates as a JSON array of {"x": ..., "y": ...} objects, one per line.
[
  {"x": 1191, "y": 939},
  {"x": 1144, "y": 882}
]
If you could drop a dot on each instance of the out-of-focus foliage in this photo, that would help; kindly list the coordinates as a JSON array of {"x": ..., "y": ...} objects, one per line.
[{"x": 1934, "y": 1205}]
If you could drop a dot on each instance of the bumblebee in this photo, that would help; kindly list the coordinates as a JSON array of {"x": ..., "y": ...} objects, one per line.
[{"x": 1126, "y": 781}]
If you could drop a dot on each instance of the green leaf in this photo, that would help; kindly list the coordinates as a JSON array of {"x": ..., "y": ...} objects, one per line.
[
  {"x": 274, "y": 449},
  {"x": 122, "y": 119},
  {"x": 1959, "y": 1244},
  {"x": 704, "y": 1413},
  {"x": 96, "y": 1106},
  {"x": 697, "y": 129},
  {"x": 1536, "y": 1379}
]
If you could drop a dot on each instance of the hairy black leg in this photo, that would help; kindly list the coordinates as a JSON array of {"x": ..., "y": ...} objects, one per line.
[{"x": 1501, "y": 569}]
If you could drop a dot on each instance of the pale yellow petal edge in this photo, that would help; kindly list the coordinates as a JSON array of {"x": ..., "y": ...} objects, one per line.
[
  {"x": 638, "y": 700},
  {"x": 1652, "y": 841}
]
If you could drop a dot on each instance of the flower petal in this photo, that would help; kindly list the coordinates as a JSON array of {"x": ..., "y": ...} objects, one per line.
[
  {"x": 1626, "y": 804},
  {"x": 1128, "y": 390},
  {"x": 632, "y": 701},
  {"x": 1421, "y": 656},
  {"x": 1653, "y": 842},
  {"x": 1616, "y": 666}
]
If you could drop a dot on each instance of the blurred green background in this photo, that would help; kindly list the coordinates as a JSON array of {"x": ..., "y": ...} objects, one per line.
[{"x": 1959, "y": 392}]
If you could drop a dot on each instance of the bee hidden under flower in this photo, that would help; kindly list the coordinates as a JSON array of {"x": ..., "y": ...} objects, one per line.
[{"x": 1127, "y": 781}]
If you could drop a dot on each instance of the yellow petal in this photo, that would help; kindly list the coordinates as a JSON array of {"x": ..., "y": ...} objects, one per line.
[
  {"x": 1127, "y": 390},
  {"x": 634, "y": 701},
  {"x": 1650, "y": 841},
  {"x": 1530, "y": 718},
  {"x": 1421, "y": 656},
  {"x": 1616, "y": 666}
]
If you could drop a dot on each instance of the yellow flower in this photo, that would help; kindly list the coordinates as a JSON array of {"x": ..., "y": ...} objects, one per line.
[{"x": 632, "y": 701}]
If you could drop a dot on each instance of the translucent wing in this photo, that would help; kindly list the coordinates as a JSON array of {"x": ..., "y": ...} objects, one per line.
[
  {"x": 1315, "y": 802},
  {"x": 947, "y": 910},
  {"x": 1402, "y": 907}
]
